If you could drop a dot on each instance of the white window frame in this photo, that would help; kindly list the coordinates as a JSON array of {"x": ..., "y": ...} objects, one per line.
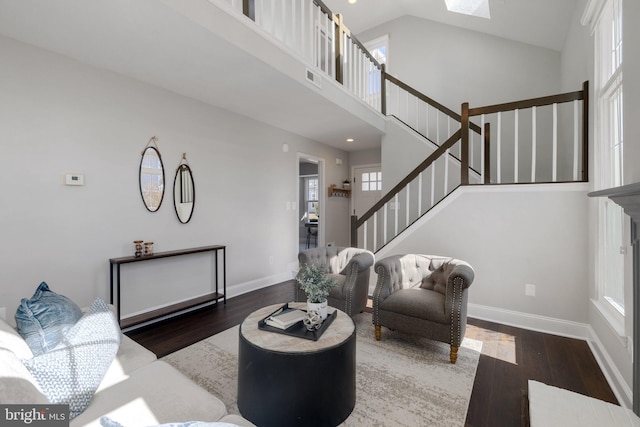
[{"x": 608, "y": 172}]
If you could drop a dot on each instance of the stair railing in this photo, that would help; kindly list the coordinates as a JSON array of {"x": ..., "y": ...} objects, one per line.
[
  {"x": 539, "y": 140},
  {"x": 545, "y": 126}
]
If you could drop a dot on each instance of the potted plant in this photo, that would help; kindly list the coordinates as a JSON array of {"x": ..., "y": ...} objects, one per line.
[{"x": 317, "y": 285}]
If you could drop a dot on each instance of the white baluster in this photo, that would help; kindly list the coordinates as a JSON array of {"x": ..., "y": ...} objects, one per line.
[
  {"x": 420, "y": 194},
  {"x": 515, "y": 149},
  {"x": 534, "y": 142},
  {"x": 396, "y": 206},
  {"x": 384, "y": 224},
  {"x": 576, "y": 139},
  {"x": 554, "y": 167},
  {"x": 446, "y": 171},
  {"x": 364, "y": 232},
  {"x": 499, "y": 150},
  {"x": 433, "y": 183},
  {"x": 407, "y": 207},
  {"x": 375, "y": 231},
  {"x": 482, "y": 153}
]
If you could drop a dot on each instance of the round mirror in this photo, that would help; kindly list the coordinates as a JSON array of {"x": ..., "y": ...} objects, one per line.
[
  {"x": 151, "y": 178},
  {"x": 184, "y": 193}
]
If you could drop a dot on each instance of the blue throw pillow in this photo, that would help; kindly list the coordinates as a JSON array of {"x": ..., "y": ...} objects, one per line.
[
  {"x": 44, "y": 319},
  {"x": 71, "y": 372}
]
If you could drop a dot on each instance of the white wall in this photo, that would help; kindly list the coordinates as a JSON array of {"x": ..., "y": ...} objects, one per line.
[
  {"x": 59, "y": 116},
  {"x": 512, "y": 236},
  {"x": 453, "y": 65}
]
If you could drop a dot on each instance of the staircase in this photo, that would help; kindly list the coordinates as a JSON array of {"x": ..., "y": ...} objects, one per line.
[{"x": 540, "y": 140}]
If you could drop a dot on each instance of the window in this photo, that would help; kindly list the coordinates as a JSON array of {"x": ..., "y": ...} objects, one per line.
[
  {"x": 311, "y": 198},
  {"x": 371, "y": 181},
  {"x": 379, "y": 49},
  {"x": 609, "y": 148}
]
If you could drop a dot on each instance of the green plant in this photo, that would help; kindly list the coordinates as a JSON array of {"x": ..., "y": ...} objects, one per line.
[{"x": 314, "y": 282}]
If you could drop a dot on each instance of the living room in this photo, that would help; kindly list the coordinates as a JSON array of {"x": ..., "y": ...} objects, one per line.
[{"x": 62, "y": 114}]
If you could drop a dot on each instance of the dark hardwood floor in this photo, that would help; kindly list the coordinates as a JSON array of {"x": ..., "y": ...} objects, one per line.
[{"x": 510, "y": 356}]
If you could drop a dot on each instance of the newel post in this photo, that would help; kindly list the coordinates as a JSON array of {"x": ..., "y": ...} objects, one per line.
[
  {"x": 354, "y": 231},
  {"x": 464, "y": 148},
  {"x": 585, "y": 131},
  {"x": 487, "y": 151}
]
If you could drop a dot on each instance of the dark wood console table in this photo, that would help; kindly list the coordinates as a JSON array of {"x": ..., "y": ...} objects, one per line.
[{"x": 184, "y": 305}]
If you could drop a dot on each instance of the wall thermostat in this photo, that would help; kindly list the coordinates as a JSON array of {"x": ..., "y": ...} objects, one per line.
[{"x": 73, "y": 179}]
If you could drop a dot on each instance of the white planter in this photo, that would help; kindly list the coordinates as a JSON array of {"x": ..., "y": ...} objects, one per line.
[{"x": 318, "y": 306}]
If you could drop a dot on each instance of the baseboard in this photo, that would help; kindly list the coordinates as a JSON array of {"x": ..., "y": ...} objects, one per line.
[
  {"x": 253, "y": 285},
  {"x": 623, "y": 392},
  {"x": 533, "y": 322},
  {"x": 564, "y": 328}
]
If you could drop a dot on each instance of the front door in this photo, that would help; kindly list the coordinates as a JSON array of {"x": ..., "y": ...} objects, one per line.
[{"x": 367, "y": 187}]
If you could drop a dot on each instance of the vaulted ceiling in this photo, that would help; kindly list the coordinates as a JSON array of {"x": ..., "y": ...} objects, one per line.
[{"x": 542, "y": 23}]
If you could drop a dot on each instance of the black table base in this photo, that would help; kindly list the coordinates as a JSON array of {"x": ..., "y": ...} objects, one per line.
[{"x": 297, "y": 389}]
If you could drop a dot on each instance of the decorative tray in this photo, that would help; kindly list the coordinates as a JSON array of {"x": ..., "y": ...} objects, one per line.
[{"x": 298, "y": 329}]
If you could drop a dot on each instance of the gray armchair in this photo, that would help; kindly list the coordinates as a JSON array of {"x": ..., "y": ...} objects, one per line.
[
  {"x": 350, "y": 267},
  {"x": 424, "y": 295}
]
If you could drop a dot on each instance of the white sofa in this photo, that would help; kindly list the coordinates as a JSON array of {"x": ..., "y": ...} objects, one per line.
[{"x": 137, "y": 390}]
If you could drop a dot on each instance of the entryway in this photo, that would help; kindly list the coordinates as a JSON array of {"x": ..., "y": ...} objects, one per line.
[{"x": 310, "y": 201}]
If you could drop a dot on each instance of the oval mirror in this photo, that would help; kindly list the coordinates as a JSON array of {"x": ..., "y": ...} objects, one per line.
[
  {"x": 184, "y": 193},
  {"x": 151, "y": 178}
]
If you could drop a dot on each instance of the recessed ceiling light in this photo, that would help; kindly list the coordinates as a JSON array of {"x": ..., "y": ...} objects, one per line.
[
  {"x": 479, "y": 8},
  {"x": 352, "y": 1},
  {"x": 349, "y": 139}
]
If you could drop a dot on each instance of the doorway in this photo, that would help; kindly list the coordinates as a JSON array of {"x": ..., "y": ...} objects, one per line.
[{"x": 310, "y": 202}]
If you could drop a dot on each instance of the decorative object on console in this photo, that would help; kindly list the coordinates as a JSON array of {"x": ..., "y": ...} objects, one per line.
[
  {"x": 346, "y": 184},
  {"x": 137, "y": 248},
  {"x": 44, "y": 319},
  {"x": 151, "y": 176},
  {"x": 148, "y": 248},
  {"x": 184, "y": 191},
  {"x": 317, "y": 286}
]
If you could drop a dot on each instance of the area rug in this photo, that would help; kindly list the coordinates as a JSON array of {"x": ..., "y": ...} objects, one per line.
[{"x": 401, "y": 380}]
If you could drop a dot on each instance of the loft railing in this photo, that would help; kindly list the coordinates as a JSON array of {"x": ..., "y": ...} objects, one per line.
[
  {"x": 537, "y": 140},
  {"x": 556, "y": 138},
  {"x": 311, "y": 30}
]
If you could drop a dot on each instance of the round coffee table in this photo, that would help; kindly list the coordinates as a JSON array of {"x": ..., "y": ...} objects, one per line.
[{"x": 289, "y": 381}]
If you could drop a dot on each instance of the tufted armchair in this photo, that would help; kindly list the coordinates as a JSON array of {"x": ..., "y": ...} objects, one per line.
[
  {"x": 424, "y": 295},
  {"x": 349, "y": 267}
]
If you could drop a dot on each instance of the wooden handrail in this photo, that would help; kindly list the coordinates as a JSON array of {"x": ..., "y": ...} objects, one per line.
[
  {"x": 410, "y": 177},
  {"x": 435, "y": 104},
  {"x": 528, "y": 103},
  {"x": 585, "y": 131}
]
